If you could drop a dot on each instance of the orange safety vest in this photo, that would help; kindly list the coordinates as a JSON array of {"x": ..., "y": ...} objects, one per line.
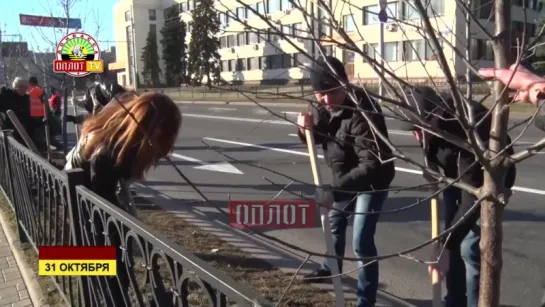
[{"x": 37, "y": 108}]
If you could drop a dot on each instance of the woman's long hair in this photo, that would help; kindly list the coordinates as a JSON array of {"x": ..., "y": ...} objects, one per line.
[{"x": 137, "y": 130}]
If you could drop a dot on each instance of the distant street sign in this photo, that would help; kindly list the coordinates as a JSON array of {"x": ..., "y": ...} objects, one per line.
[
  {"x": 382, "y": 16},
  {"x": 53, "y": 22}
]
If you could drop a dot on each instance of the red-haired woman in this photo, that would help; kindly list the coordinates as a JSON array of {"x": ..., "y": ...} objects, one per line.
[{"x": 124, "y": 140}]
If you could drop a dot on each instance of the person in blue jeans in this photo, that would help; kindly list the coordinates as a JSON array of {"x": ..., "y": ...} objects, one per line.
[
  {"x": 462, "y": 278},
  {"x": 460, "y": 262},
  {"x": 357, "y": 158}
]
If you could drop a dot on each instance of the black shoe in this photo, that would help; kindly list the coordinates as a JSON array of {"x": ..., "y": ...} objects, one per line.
[{"x": 318, "y": 276}]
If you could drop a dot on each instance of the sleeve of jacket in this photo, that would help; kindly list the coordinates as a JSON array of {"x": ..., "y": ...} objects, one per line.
[
  {"x": 474, "y": 177},
  {"x": 104, "y": 177},
  {"x": 319, "y": 118},
  {"x": 363, "y": 174}
]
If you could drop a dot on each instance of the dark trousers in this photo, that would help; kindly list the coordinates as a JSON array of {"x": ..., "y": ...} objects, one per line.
[
  {"x": 36, "y": 131},
  {"x": 462, "y": 279}
]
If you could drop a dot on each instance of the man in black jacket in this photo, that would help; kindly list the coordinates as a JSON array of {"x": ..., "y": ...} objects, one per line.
[
  {"x": 462, "y": 248},
  {"x": 356, "y": 157},
  {"x": 15, "y": 99}
]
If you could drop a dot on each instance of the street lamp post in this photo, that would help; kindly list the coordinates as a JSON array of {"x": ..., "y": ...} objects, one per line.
[{"x": 383, "y": 17}]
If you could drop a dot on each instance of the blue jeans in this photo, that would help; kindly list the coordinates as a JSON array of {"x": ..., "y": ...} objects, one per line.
[
  {"x": 462, "y": 279},
  {"x": 363, "y": 240}
]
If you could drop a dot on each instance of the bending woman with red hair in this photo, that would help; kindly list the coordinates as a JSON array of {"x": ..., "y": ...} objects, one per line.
[{"x": 124, "y": 140}]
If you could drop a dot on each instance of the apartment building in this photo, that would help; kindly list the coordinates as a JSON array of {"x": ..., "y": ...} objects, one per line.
[{"x": 253, "y": 52}]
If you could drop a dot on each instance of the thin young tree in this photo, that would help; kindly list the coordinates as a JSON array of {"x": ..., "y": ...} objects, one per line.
[
  {"x": 150, "y": 59},
  {"x": 174, "y": 48},
  {"x": 204, "y": 58}
]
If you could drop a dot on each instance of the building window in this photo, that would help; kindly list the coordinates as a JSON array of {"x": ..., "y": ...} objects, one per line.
[
  {"x": 276, "y": 61},
  {"x": 433, "y": 8},
  {"x": 241, "y": 13},
  {"x": 273, "y": 36},
  {"x": 253, "y": 63},
  {"x": 241, "y": 65},
  {"x": 152, "y": 15},
  {"x": 391, "y": 53},
  {"x": 231, "y": 41},
  {"x": 324, "y": 29},
  {"x": 224, "y": 66},
  {"x": 287, "y": 61},
  {"x": 241, "y": 39},
  {"x": 260, "y": 8},
  {"x": 482, "y": 50},
  {"x": 371, "y": 51},
  {"x": 128, "y": 16},
  {"x": 370, "y": 13},
  {"x": 274, "y": 6},
  {"x": 263, "y": 63},
  {"x": 298, "y": 59},
  {"x": 414, "y": 50},
  {"x": 298, "y": 30},
  {"x": 253, "y": 38},
  {"x": 287, "y": 31},
  {"x": 223, "y": 42},
  {"x": 232, "y": 66},
  {"x": 431, "y": 54},
  {"x": 130, "y": 58},
  {"x": 285, "y": 5},
  {"x": 328, "y": 50},
  {"x": 409, "y": 11},
  {"x": 348, "y": 23},
  {"x": 189, "y": 27}
]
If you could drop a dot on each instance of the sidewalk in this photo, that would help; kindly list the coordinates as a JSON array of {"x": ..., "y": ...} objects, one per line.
[{"x": 17, "y": 281}]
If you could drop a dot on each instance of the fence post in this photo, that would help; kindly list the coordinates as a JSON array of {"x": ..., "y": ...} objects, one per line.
[
  {"x": 22, "y": 235},
  {"x": 76, "y": 177}
]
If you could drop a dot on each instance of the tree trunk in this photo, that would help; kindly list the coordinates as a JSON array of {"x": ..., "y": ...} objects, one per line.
[{"x": 492, "y": 209}]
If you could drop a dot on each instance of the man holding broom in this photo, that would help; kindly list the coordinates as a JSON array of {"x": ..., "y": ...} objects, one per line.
[
  {"x": 357, "y": 157},
  {"x": 461, "y": 260}
]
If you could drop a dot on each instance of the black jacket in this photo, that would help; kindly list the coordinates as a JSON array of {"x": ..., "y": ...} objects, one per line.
[
  {"x": 101, "y": 174},
  {"x": 352, "y": 150},
  {"x": 10, "y": 100},
  {"x": 99, "y": 95},
  {"x": 454, "y": 161}
]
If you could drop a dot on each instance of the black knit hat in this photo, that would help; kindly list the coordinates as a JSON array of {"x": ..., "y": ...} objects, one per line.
[
  {"x": 322, "y": 77},
  {"x": 422, "y": 99}
]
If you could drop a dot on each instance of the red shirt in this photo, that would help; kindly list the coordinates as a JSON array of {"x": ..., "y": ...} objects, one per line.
[{"x": 55, "y": 102}]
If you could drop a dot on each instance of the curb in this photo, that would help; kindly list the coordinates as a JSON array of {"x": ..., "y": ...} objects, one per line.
[
  {"x": 512, "y": 114},
  {"x": 28, "y": 276},
  {"x": 243, "y": 103}
]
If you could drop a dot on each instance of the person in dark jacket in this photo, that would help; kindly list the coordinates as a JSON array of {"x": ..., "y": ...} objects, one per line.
[
  {"x": 462, "y": 248},
  {"x": 15, "y": 99},
  {"x": 97, "y": 96},
  {"x": 355, "y": 155},
  {"x": 114, "y": 147}
]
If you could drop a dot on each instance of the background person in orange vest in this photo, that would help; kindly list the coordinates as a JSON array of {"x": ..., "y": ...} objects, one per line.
[{"x": 37, "y": 114}]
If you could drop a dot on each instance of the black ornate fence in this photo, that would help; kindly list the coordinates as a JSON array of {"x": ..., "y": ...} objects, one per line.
[{"x": 53, "y": 208}]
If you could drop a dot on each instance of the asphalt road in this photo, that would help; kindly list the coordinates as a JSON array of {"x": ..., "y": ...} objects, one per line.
[{"x": 241, "y": 132}]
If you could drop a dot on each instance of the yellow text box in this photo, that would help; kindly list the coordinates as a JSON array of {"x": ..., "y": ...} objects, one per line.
[
  {"x": 77, "y": 267},
  {"x": 94, "y": 66}
]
